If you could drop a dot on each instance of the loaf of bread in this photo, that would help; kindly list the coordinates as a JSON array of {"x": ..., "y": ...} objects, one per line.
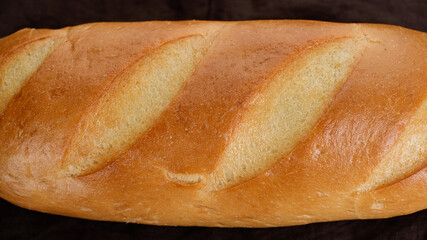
[{"x": 230, "y": 124}]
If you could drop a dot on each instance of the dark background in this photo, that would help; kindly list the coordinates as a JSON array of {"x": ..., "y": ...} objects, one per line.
[{"x": 18, "y": 223}]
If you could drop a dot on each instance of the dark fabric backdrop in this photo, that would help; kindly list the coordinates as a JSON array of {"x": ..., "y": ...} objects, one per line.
[{"x": 18, "y": 223}]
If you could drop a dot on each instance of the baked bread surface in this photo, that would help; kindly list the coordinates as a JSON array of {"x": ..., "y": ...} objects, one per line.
[{"x": 230, "y": 124}]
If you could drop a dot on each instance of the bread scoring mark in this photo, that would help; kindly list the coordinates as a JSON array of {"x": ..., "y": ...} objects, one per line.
[
  {"x": 406, "y": 157},
  {"x": 133, "y": 103},
  {"x": 285, "y": 111},
  {"x": 21, "y": 65},
  {"x": 184, "y": 179}
]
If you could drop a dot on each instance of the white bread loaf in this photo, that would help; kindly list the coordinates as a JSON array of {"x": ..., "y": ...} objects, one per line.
[{"x": 231, "y": 124}]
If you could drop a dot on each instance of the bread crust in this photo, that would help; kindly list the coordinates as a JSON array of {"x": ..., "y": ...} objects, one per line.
[{"x": 161, "y": 177}]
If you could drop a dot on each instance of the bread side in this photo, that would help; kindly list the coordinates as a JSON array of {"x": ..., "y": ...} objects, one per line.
[{"x": 232, "y": 124}]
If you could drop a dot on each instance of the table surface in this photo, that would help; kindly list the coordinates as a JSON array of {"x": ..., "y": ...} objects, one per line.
[{"x": 18, "y": 223}]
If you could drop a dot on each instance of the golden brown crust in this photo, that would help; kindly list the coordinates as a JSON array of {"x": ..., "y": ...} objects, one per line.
[
  {"x": 16, "y": 41},
  {"x": 161, "y": 178}
]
